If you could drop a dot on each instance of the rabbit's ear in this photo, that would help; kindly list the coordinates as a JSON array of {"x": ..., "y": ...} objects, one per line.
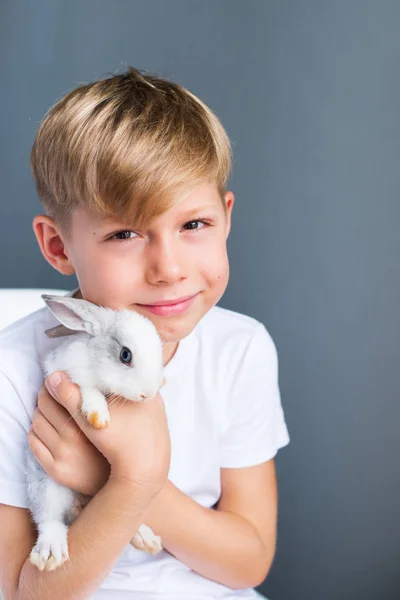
[
  {"x": 76, "y": 314},
  {"x": 59, "y": 331}
]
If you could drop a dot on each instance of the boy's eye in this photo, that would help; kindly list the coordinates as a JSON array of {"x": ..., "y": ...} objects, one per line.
[
  {"x": 190, "y": 224},
  {"x": 126, "y": 234},
  {"x": 123, "y": 235}
]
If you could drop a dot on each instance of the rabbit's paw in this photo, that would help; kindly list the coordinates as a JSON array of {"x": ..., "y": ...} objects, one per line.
[
  {"x": 98, "y": 418},
  {"x": 51, "y": 548},
  {"x": 144, "y": 539}
]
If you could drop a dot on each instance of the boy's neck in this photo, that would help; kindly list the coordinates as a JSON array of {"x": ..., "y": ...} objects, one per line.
[{"x": 169, "y": 351}]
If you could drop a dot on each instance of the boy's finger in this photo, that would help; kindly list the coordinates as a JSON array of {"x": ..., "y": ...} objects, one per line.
[
  {"x": 48, "y": 387},
  {"x": 65, "y": 392}
]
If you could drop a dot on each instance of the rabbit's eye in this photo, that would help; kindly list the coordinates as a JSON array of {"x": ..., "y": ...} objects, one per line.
[{"x": 125, "y": 356}]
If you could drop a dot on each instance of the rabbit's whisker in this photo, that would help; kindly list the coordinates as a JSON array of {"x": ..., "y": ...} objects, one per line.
[
  {"x": 71, "y": 417},
  {"x": 115, "y": 399}
]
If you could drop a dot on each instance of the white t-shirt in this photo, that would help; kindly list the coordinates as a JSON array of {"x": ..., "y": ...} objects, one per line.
[{"x": 223, "y": 409}]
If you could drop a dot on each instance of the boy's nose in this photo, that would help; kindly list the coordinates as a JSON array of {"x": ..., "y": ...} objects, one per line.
[{"x": 167, "y": 263}]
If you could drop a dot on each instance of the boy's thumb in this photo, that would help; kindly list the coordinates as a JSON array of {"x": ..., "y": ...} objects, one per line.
[
  {"x": 54, "y": 380},
  {"x": 66, "y": 393}
]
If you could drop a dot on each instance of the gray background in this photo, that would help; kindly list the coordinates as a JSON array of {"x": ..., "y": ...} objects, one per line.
[{"x": 309, "y": 92}]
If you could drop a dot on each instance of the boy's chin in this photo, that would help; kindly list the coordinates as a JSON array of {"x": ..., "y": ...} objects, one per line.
[
  {"x": 173, "y": 339},
  {"x": 175, "y": 335}
]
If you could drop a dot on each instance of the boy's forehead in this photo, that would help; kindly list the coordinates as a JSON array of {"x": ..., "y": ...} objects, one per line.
[{"x": 203, "y": 198}]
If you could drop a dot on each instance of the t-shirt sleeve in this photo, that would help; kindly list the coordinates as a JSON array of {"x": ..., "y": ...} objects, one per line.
[
  {"x": 14, "y": 427},
  {"x": 255, "y": 424}
]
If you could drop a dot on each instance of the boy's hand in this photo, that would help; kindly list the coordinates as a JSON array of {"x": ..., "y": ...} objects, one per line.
[
  {"x": 135, "y": 443},
  {"x": 62, "y": 449}
]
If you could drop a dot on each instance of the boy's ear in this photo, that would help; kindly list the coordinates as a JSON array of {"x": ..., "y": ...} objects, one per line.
[
  {"x": 52, "y": 244},
  {"x": 229, "y": 202}
]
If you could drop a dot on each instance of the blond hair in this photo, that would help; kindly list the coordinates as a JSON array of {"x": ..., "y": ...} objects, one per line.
[{"x": 128, "y": 146}]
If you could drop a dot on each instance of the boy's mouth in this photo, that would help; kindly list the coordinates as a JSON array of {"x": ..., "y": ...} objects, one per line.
[
  {"x": 169, "y": 302},
  {"x": 167, "y": 308}
]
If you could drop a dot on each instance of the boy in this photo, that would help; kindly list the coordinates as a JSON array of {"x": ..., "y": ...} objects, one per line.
[{"x": 132, "y": 173}]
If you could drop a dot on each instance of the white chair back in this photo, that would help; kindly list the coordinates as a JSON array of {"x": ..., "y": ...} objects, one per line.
[{"x": 17, "y": 303}]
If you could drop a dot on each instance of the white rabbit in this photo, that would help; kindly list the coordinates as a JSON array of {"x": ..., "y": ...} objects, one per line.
[{"x": 106, "y": 352}]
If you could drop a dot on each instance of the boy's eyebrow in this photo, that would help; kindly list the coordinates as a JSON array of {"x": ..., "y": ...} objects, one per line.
[
  {"x": 109, "y": 221},
  {"x": 197, "y": 209}
]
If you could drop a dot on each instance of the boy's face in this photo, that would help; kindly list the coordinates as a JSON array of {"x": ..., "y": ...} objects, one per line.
[{"x": 176, "y": 256}]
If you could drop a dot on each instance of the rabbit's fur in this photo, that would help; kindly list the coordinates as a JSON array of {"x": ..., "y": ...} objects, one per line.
[{"x": 94, "y": 355}]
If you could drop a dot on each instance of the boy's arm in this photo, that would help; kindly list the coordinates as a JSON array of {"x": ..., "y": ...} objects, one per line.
[
  {"x": 233, "y": 545},
  {"x": 95, "y": 542}
]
